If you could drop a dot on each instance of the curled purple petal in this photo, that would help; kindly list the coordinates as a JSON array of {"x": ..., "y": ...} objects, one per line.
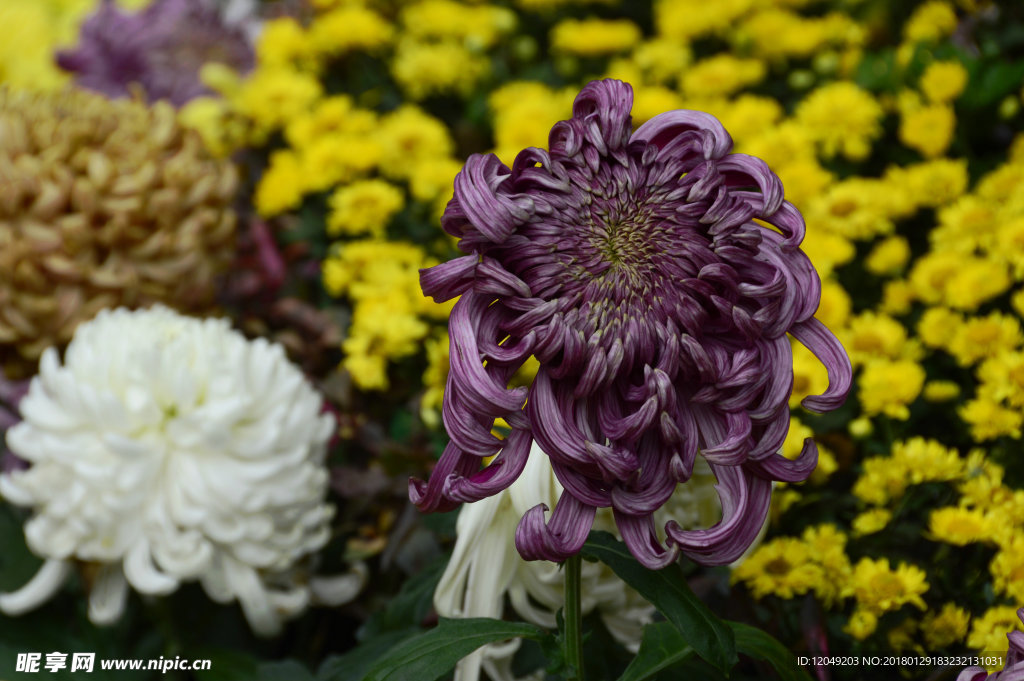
[
  {"x": 450, "y": 279},
  {"x": 561, "y": 537},
  {"x": 826, "y": 347},
  {"x": 638, "y": 534},
  {"x": 497, "y": 476},
  {"x": 745, "y": 500}
]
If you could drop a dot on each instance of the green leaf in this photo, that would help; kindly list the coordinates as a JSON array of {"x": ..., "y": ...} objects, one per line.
[
  {"x": 17, "y": 564},
  {"x": 759, "y": 645},
  {"x": 661, "y": 647},
  {"x": 227, "y": 665},
  {"x": 668, "y": 591},
  {"x": 353, "y": 665},
  {"x": 991, "y": 81},
  {"x": 430, "y": 655},
  {"x": 412, "y": 604},
  {"x": 284, "y": 670}
]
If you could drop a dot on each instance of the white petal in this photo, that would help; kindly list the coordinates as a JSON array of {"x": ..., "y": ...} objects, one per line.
[
  {"x": 252, "y": 596},
  {"x": 38, "y": 590},
  {"x": 143, "y": 575},
  {"x": 341, "y": 589},
  {"x": 108, "y": 595}
]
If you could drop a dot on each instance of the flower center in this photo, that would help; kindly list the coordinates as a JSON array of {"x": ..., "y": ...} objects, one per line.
[{"x": 886, "y": 587}]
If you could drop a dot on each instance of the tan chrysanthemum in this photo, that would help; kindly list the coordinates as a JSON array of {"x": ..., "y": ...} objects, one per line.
[{"x": 102, "y": 204}]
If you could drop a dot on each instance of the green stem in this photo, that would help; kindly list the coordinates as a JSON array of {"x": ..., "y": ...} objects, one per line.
[{"x": 573, "y": 616}]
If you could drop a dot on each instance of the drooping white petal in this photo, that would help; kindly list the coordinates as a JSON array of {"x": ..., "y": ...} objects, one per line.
[
  {"x": 38, "y": 590},
  {"x": 339, "y": 589},
  {"x": 108, "y": 595}
]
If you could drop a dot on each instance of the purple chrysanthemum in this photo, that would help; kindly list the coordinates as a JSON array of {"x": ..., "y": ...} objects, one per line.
[
  {"x": 160, "y": 48},
  {"x": 1013, "y": 667},
  {"x": 630, "y": 265}
]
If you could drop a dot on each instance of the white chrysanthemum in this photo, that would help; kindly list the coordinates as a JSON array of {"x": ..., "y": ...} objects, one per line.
[
  {"x": 169, "y": 449},
  {"x": 485, "y": 565}
]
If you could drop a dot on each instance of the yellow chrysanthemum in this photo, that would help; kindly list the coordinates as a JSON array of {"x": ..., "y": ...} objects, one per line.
[
  {"x": 1007, "y": 568},
  {"x": 853, "y": 209},
  {"x": 980, "y": 337},
  {"x": 447, "y": 67},
  {"x": 720, "y": 75},
  {"x": 363, "y": 207},
  {"x": 477, "y": 26},
  {"x": 912, "y": 462},
  {"x": 775, "y": 32},
  {"x": 804, "y": 177},
  {"x": 888, "y": 387},
  {"x": 889, "y": 256},
  {"x": 594, "y": 37},
  {"x": 271, "y": 97},
  {"x": 931, "y": 21},
  {"x": 433, "y": 179},
  {"x": 862, "y": 623},
  {"x": 434, "y": 378},
  {"x": 897, "y": 297},
  {"x": 988, "y": 419},
  {"x": 331, "y": 159},
  {"x": 941, "y": 391},
  {"x": 408, "y": 136},
  {"x": 782, "y": 567},
  {"x": 660, "y": 61},
  {"x": 931, "y": 184},
  {"x": 878, "y": 588},
  {"x": 928, "y": 129},
  {"x": 982, "y": 486},
  {"x": 827, "y": 545},
  {"x": 966, "y": 225},
  {"x": 943, "y": 81},
  {"x": 960, "y": 526},
  {"x": 834, "y": 308},
  {"x": 936, "y": 325},
  {"x": 36, "y": 28},
  {"x": 870, "y": 336},
  {"x": 283, "y": 43},
  {"x": 686, "y": 19},
  {"x": 282, "y": 186},
  {"x": 349, "y": 28},
  {"x": 871, "y": 521},
  {"x": 988, "y": 632},
  {"x": 960, "y": 281},
  {"x": 842, "y": 118},
  {"x": 330, "y": 117},
  {"x": 946, "y": 627},
  {"x": 1002, "y": 377}
]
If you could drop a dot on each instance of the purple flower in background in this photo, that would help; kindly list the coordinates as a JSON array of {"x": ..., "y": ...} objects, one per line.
[
  {"x": 11, "y": 393},
  {"x": 631, "y": 267},
  {"x": 1013, "y": 668},
  {"x": 160, "y": 48}
]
